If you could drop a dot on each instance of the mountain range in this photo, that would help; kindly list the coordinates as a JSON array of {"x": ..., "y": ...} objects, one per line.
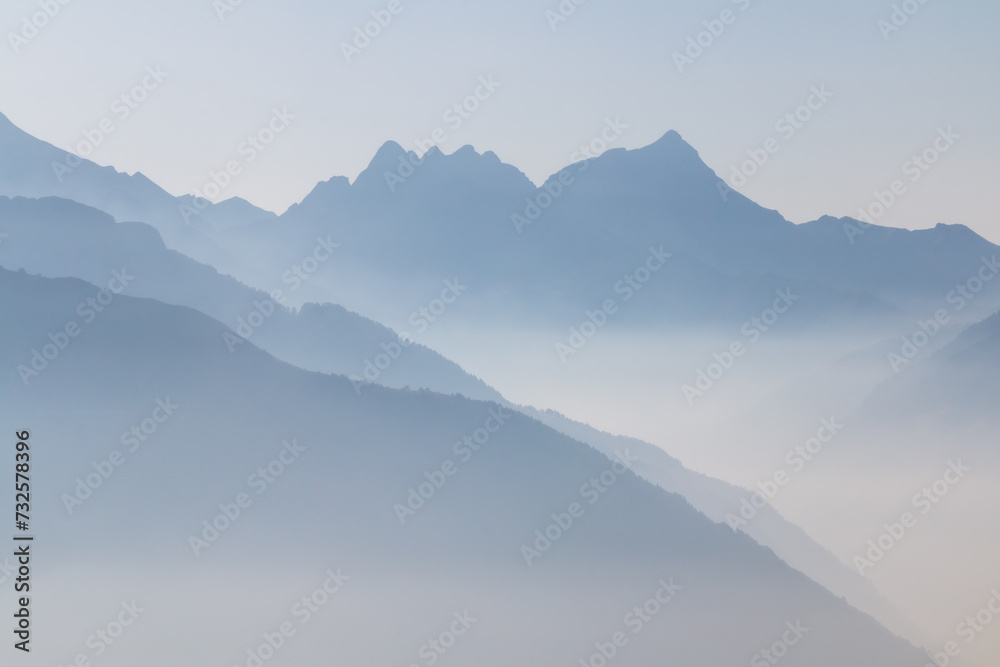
[{"x": 271, "y": 325}]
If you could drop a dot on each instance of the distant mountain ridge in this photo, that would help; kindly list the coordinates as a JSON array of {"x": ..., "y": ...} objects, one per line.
[
  {"x": 33, "y": 168},
  {"x": 471, "y": 213},
  {"x": 530, "y": 255},
  {"x": 59, "y": 238}
]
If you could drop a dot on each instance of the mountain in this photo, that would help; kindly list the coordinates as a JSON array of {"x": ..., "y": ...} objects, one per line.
[
  {"x": 33, "y": 168},
  {"x": 721, "y": 502},
  {"x": 425, "y": 219},
  {"x": 537, "y": 261},
  {"x": 59, "y": 238},
  {"x": 954, "y": 387},
  {"x": 904, "y": 491},
  {"x": 183, "y": 528},
  {"x": 563, "y": 246}
]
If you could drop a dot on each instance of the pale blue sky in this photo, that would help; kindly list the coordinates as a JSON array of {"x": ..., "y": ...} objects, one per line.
[{"x": 609, "y": 59}]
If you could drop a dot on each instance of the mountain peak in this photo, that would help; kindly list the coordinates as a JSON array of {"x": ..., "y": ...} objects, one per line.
[
  {"x": 669, "y": 152},
  {"x": 389, "y": 150},
  {"x": 387, "y": 160},
  {"x": 671, "y": 137},
  {"x": 672, "y": 144},
  {"x": 668, "y": 161},
  {"x": 393, "y": 166}
]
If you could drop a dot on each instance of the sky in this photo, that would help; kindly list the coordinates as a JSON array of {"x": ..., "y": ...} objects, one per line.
[{"x": 880, "y": 93}]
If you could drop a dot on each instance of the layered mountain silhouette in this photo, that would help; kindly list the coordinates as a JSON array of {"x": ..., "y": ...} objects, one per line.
[
  {"x": 472, "y": 215},
  {"x": 330, "y": 512},
  {"x": 58, "y": 238},
  {"x": 530, "y": 257},
  {"x": 570, "y": 240},
  {"x": 33, "y": 168}
]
